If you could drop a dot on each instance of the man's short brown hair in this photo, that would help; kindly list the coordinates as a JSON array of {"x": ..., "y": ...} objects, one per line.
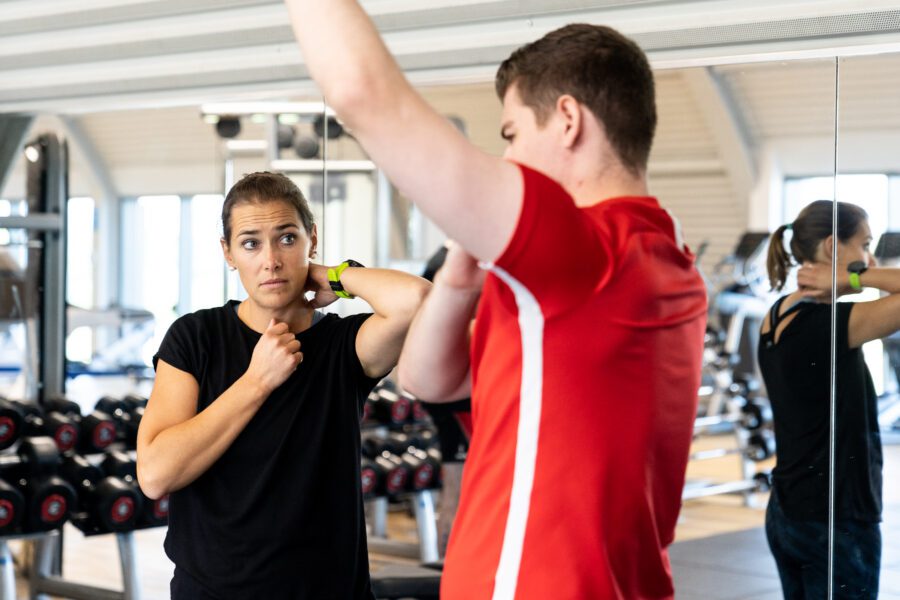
[{"x": 601, "y": 69}]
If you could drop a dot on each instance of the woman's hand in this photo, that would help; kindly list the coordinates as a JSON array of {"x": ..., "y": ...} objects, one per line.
[
  {"x": 275, "y": 357},
  {"x": 317, "y": 282},
  {"x": 814, "y": 280}
]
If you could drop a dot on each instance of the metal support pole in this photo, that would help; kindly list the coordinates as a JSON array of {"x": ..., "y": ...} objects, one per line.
[
  {"x": 41, "y": 569},
  {"x": 379, "y": 517},
  {"x": 426, "y": 523},
  {"x": 127, "y": 557},
  {"x": 7, "y": 573}
]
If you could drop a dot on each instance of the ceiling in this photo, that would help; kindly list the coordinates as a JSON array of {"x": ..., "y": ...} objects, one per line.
[{"x": 87, "y": 56}]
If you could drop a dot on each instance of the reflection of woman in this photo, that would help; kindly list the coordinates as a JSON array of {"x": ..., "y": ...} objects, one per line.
[
  {"x": 794, "y": 357},
  {"x": 253, "y": 423}
]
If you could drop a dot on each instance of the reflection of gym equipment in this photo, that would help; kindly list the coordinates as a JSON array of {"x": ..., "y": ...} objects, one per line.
[
  {"x": 744, "y": 270},
  {"x": 731, "y": 401},
  {"x": 48, "y": 499},
  {"x": 37, "y": 291},
  {"x": 409, "y": 478},
  {"x": 400, "y": 467},
  {"x": 106, "y": 503},
  {"x": 132, "y": 328}
]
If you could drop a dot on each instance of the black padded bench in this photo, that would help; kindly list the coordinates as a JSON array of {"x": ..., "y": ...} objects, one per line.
[{"x": 393, "y": 582}]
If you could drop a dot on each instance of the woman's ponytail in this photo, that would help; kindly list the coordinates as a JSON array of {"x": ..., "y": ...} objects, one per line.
[{"x": 778, "y": 262}]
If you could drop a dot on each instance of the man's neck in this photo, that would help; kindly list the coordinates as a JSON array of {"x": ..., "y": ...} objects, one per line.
[{"x": 588, "y": 191}]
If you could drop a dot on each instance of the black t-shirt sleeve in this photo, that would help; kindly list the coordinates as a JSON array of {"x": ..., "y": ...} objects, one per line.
[
  {"x": 352, "y": 362},
  {"x": 843, "y": 326},
  {"x": 182, "y": 346}
]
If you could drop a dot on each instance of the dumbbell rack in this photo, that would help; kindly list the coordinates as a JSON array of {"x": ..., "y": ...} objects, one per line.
[
  {"x": 426, "y": 550},
  {"x": 747, "y": 485},
  {"x": 44, "y": 581}
]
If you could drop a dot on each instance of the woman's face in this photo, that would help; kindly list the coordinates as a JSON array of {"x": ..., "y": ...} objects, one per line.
[
  {"x": 857, "y": 247},
  {"x": 271, "y": 251}
]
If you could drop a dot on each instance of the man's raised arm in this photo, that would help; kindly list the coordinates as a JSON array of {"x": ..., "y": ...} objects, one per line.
[{"x": 473, "y": 197}]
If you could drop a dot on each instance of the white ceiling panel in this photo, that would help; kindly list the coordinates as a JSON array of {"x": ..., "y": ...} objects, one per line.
[{"x": 81, "y": 56}]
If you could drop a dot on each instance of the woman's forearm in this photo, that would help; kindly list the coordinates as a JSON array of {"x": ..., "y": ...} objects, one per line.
[
  {"x": 177, "y": 455},
  {"x": 886, "y": 279},
  {"x": 390, "y": 293}
]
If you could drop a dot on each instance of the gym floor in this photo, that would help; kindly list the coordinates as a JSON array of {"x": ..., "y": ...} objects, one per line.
[{"x": 720, "y": 550}]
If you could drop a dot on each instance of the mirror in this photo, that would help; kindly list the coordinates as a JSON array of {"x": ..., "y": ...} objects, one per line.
[
  {"x": 734, "y": 151},
  {"x": 867, "y": 448}
]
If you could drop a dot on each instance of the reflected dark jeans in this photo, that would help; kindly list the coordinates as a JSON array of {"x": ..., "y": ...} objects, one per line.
[{"x": 800, "y": 549}]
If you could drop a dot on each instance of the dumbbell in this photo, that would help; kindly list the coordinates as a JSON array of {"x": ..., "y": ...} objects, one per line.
[
  {"x": 391, "y": 473},
  {"x": 388, "y": 407},
  {"x": 96, "y": 430},
  {"x": 417, "y": 412},
  {"x": 420, "y": 466},
  {"x": 425, "y": 466},
  {"x": 153, "y": 512},
  {"x": 371, "y": 478},
  {"x": 12, "y": 508},
  {"x": 48, "y": 499},
  {"x": 752, "y": 415},
  {"x": 127, "y": 414},
  {"x": 11, "y": 423},
  {"x": 763, "y": 481},
  {"x": 112, "y": 504},
  {"x": 62, "y": 429},
  {"x": 760, "y": 445}
]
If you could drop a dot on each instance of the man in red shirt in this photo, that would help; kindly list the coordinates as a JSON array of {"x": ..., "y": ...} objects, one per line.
[{"x": 584, "y": 362}]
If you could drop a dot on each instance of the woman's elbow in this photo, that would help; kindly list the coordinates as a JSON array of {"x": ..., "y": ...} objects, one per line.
[
  {"x": 413, "y": 298},
  {"x": 151, "y": 481}
]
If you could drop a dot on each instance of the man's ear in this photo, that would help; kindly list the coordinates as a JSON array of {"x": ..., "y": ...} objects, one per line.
[{"x": 571, "y": 112}]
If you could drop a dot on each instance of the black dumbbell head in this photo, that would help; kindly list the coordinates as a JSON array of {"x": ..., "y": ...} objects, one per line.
[
  {"x": 154, "y": 512},
  {"x": 62, "y": 405},
  {"x": 11, "y": 422},
  {"x": 12, "y": 508},
  {"x": 134, "y": 401},
  {"x": 98, "y": 431},
  {"x": 369, "y": 473},
  {"x": 39, "y": 454},
  {"x": 49, "y": 501},
  {"x": 119, "y": 464},
  {"x": 115, "y": 504}
]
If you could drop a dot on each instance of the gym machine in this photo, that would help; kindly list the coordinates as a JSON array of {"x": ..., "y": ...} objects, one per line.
[{"x": 731, "y": 398}]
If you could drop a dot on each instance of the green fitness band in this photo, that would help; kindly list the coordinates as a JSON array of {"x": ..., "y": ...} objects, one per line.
[
  {"x": 334, "y": 278},
  {"x": 856, "y": 268}
]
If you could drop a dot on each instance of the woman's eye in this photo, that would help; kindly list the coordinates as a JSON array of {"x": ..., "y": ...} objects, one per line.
[
  {"x": 248, "y": 244},
  {"x": 289, "y": 238}
]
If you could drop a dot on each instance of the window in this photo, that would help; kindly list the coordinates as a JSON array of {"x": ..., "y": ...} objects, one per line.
[
  {"x": 171, "y": 259},
  {"x": 80, "y": 273},
  {"x": 207, "y": 265}
]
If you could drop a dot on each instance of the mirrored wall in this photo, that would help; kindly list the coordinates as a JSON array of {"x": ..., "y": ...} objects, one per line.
[
  {"x": 867, "y": 437},
  {"x": 740, "y": 150}
]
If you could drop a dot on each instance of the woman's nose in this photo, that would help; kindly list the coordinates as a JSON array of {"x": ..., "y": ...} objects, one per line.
[{"x": 272, "y": 260}]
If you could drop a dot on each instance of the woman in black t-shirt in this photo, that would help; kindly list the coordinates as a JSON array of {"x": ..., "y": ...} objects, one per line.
[
  {"x": 794, "y": 358},
  {"x": 253, "y": 423}
]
